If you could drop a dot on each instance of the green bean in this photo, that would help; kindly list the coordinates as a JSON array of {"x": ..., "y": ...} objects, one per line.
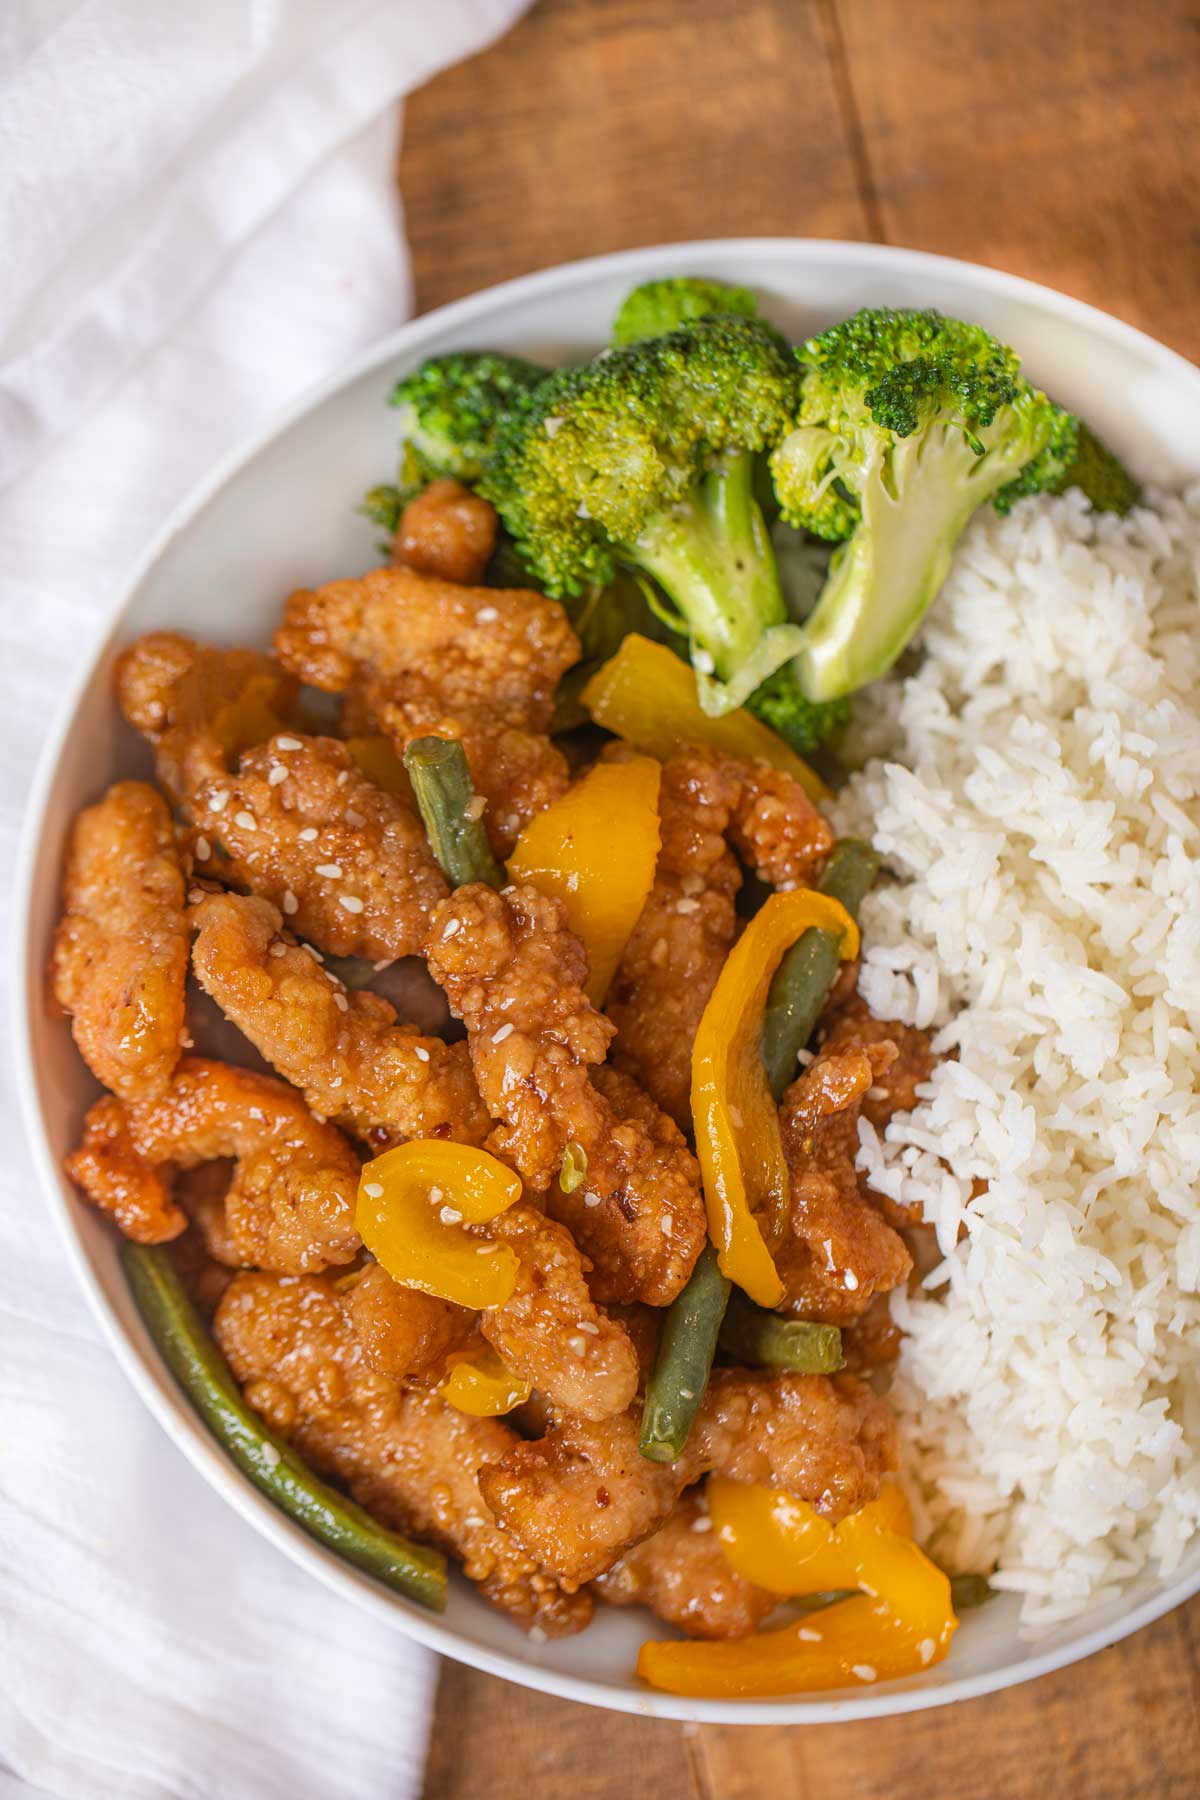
[
  {"x": 437, "y": 768},
  {"x": 687, "y": 1341},
  {"x": 751, "y": 1334},
  {"x": 967, "y": 1591},
  {"x": 805, "y": 975},
  {"x": 267, "y": 1460}
]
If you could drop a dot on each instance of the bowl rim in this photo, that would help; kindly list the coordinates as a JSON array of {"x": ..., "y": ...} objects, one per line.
[{"x": 139, "y": 1359}]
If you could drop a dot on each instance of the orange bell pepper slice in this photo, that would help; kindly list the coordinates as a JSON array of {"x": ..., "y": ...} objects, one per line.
[
  {"x": 899, "y": 1623},
  {"x": 736, "y": 1120},
  {"x": 484, "y": 1386},
  {"x": 647, "y": 695},
  {"x": 595, "y": 849},
  {"x": 414, "y": 1203},
  {"x": 378, "y": 759}
]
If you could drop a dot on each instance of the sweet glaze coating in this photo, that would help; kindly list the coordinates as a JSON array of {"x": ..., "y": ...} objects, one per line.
[
  {"x": 118, "y": 965},
  {"x": 681, "y": 1574},
  {"x": 290, "y": 1202}
]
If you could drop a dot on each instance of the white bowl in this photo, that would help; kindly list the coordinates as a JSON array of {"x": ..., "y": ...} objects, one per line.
[{"x": 281, "y": 514}]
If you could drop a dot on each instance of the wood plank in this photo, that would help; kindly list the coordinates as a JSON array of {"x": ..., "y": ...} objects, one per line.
[
  {"x": 602, "y": 124},
  {"x": 1055, "y": 142},
  {"x": 1122, "y": 1725}
]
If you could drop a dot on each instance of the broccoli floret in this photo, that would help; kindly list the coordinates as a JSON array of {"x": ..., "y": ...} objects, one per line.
[
  {"x": 659, "y": 306},
  {"x": 908, "y": 421},
  {"x": 450, "y": 406},
  {"x": 781, "y": 703},
  {"x": 645, "y": 458},
  {"x": 1104, "y": 481}
]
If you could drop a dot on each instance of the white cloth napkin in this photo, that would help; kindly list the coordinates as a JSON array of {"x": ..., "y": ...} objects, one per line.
[{"x": 199, "y": 216}]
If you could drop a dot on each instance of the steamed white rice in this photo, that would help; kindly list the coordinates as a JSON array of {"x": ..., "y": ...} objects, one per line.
[{"x": 1034, "y": 787}]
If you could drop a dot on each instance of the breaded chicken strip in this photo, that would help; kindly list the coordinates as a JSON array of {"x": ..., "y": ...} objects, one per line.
[
  {"x": 549, "y": 1331},
  {"x": 446, "y": 531},
  {"x": 290, "y": 1202},
  {"x": 345, "y": 1050},
  {"x": 514, "y": 974},
  {"x": 676, "y": 951},
  {"x": 347, "y": 863},
  {"x": 840, "y": 1252},
  {"x": 583, "y": 1495},
  {"x": 851, "y": 1026},
  {"x": 199, "y": 706},
  {"x": 680, "y": 1572},
  {"x": 422, "y": 657},
  {"x": 118, "y": 965},
  {"x": 411, "y": 1460}
]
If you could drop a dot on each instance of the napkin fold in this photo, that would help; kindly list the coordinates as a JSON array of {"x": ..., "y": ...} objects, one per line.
[{"x": 200, "y": 219}]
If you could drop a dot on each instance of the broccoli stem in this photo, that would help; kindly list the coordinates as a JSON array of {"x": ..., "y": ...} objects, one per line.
[{"x": 712, "y": 555}]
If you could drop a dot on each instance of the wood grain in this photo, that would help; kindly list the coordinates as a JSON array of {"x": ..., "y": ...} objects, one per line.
[{"x": 1057, "y": 142}]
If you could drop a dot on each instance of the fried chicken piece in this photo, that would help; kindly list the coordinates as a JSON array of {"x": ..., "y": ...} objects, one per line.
[
  {"x": 446, "y": 531},
  {"x": 382, "y": 1080},
  {"x": 118, "y": 965},
  {"x": 403, "y": 1333},
  {"x": 411, "y": 1460},
  {"x": 680, "y": 1572},
  {"x": 840, "y": 1251},
  {"x": 200, "y": 706},
  {"x": 679, "y": 944},
  {"x": 514, "y": 974},
  {"x": 428, "y": 657},
  {"x": 582, "y": 1496},
  {"x": 850, "y": 1025},
  {"x": 290, "y": 1203},
  {"x": 550, "y": 1331},
  {"x": 299, "y": 825},
  {"x": 874, "y": 1340}
]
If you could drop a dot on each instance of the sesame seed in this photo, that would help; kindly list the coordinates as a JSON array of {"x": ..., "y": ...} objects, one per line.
[
  {"x": 590, "y": 1199},
  {"x": 331, "y": 870},
  {"x": 195, "y": 894},
  {"x": 452, "y": 925},
  {"x": 475, "y": 808},
  {"x": 505, "y": 1031},
  {"x": 450, "y": 1215},
  {"x": 219, "y": 801},
  {"x": 687, "y": 906},
  {"x": 487, "y": 615},
  {"x": 420, "y": 1052},
  {"x": 278, "y": 774},
  {"x": 692, "y": 884},
  {"x": 385, "y": 962},
  {"x": 592, "y": 1330},
  {"x": 350, "y": 903},
  {"x": 341, "y": 1002},
  {"x": 271, "y": 1456},
  {"x": 246, "y": 820},
  {"x": 687, "y": 1393},
  {"x": 578, "y": 1345},
  {"x": 735, "y": 1117},
  {"x": 374, "y": 1189},
  {"x": 925, "y": 1650},
  {"x": 809, "y": 1635},
  {"x": 703, "y": 1523},
  {"x": 287, "y": 743},
  {"x": 864, "y": 1671},
  {"x": 664, "y": 1225},
  {"x": 354, "y": 819},
  {"x": 290, "y": 902},
  {"x": 552, "y": 425},
  {"x": 314, "y": 953},
  {"x": 203, "y": 849},
  {"x": 185, "y": 1042},
  {"x": 850, "y": 1279},
  {"x": 308, "y": 835},
  {"x": 343, "y": 778},
  {"x": 277, "y": 950},
  {"x": 484, "y": 1249}
]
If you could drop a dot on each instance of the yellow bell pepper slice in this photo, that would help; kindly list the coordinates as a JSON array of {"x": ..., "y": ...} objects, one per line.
[
  {"x": 414, "y": 1203},
  {"x": 900, "y": 1622},
  {"x": 647, "y": 695},
  {"x": 742, "y": 1164},
  {"x": 484, "y": 1387},
  {"x": 378, "y": 759},
  {"x": 595, "y": 849}
]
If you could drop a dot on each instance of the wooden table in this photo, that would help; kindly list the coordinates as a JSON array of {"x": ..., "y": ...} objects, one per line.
[{"x": 1058, "y": 142}]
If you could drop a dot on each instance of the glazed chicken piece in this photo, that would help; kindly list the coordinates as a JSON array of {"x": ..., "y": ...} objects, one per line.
[
  {"x": 514, "y": 974},
  {"x": 422, "y": 657},
  {"x": 118, "y": 965},
  {"x": 895, "y": 1090},
  {"x": 840, "y": 1251},
  {"x": 677, "y": 949},
  {"x": 448, "y": 532},
  {"x": 582, "y": 1496},
  {"x": 345, "y": 1050},
  {"x": 402, "y": 1333},
  {"x": 290, "y": 1202},
  {"x": 286, "y": 816},
  {"x": 199, "y": 706},
  {"x": 410, "y": 1459},
  {"x": 681, "y": 1574}
]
